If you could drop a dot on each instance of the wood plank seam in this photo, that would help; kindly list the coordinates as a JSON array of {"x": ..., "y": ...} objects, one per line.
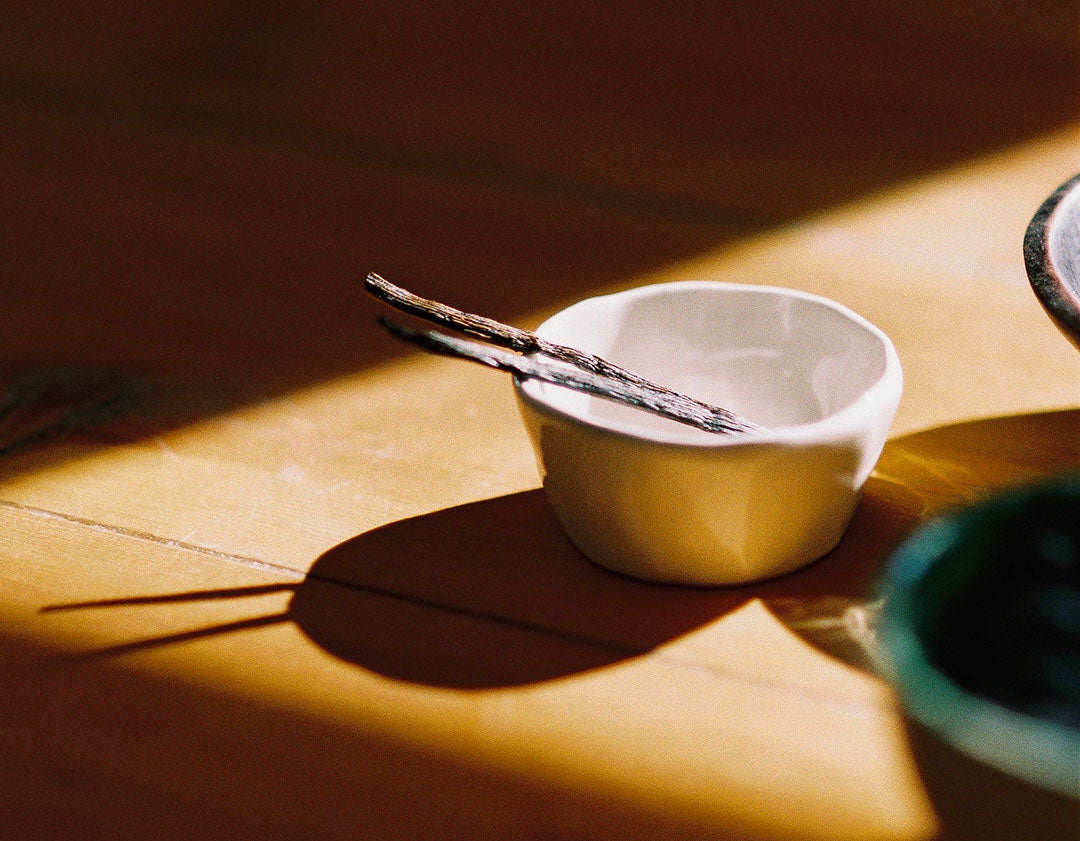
[{"x": 136, "y": 534}]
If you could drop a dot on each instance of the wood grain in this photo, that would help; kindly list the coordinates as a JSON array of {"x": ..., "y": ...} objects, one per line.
[{"x": 311, "y": 588}]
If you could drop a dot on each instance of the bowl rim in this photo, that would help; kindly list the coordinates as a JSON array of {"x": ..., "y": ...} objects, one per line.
[
  {"x": 974, "y": 724},
  {"x": 1057, "y": 297},
  {"x": 886, "y": 388}
]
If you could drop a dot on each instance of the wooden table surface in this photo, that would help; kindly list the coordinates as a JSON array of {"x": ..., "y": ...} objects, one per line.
[{"x": 282, "y": 578}]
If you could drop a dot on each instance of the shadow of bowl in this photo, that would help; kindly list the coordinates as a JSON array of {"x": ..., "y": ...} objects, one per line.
[{"x": 493, "y": 594}]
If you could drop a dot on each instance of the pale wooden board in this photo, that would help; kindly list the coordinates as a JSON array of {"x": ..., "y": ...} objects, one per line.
[
  {"x": 450, "y": 650},
  {"x": 648, "y": 721}
]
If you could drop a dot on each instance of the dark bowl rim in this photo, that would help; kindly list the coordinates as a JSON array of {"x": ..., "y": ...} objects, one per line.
[{"x": 1056, "y": 296}]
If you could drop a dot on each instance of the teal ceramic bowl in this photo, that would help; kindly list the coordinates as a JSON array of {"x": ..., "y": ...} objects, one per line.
[{"x": 980, "y": 631}]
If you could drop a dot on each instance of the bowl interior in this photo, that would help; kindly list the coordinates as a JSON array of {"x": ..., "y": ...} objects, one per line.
[{"x": 778, "y": 357}]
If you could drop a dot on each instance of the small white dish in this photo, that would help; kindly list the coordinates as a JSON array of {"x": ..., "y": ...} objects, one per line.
[{"x": 662, "y": 501}]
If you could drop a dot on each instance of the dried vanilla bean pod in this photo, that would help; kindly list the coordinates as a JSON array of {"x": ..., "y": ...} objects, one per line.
[
  {"x": 540, "y": 367},
  {"x": 675, "y": 405}
]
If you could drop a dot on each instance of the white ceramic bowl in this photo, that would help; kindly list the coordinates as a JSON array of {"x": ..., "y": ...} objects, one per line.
[{"x": 662, "y": 501}]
